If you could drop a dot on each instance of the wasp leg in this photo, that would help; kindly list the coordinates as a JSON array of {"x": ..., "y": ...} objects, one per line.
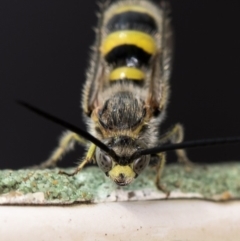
[
  {"x": 66, "y": 144},
  {"x": 88, "y": 159},
  {"x": 176, "y": 135},
  {"x": 160, "y": 167}
]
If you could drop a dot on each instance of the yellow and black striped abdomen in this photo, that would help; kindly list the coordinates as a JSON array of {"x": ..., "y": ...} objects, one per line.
[{"x": 129, "y": 44}]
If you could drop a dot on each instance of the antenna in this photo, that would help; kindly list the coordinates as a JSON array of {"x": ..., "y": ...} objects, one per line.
[
  {"x": 67, "y": 125},
  {"x": 191, "y": 144}
]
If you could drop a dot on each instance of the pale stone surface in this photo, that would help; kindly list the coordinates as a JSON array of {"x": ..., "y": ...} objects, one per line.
[{"x": 165, "y": 220}]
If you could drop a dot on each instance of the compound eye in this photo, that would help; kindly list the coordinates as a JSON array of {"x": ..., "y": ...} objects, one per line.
[
  {"x": 140, "y": 164},
  {"x": 104, "y": 162}
]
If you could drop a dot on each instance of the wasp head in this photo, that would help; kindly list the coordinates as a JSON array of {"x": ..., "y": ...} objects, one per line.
[{"x": 124, "y": 164}]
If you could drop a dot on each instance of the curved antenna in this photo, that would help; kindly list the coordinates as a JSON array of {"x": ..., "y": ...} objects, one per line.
[
  {"x": 67, "y": 125},
  {"x": 191, "y": 144}
]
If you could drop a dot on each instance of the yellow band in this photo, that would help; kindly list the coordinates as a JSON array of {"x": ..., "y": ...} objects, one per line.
[
  {"x": 131, "y": 37},
  {"x": 127, "y": 73}
]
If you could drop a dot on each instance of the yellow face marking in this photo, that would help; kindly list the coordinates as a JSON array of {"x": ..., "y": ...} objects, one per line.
[
  {"x": 127, "y": 73},
  {"x": 132, "y": 8},
  {"x": 130, "y": 37},
  {"x": 127, "y": 171}
]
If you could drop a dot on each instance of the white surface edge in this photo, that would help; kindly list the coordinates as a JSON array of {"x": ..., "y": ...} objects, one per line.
[{"x": 174, "y": 220}]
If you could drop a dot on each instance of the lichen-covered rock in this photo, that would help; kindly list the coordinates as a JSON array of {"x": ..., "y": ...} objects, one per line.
[{"x": 214, "y": 182}]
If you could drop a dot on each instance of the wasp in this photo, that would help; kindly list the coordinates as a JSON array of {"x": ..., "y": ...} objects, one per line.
[
  {"x": 126, "y": 95},
  {"x": 127, "y": 90}
]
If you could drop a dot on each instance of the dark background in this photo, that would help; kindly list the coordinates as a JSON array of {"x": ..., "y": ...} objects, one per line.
[{"x": 44, "y": 49}]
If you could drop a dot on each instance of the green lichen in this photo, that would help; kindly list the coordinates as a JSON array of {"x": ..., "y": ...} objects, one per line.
[{"x": 214, "y": 182}]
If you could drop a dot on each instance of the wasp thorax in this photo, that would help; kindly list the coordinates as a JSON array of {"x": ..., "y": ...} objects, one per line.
[
  {"x": 123, "y": 111},
  {"x": 124, "y": 166}
]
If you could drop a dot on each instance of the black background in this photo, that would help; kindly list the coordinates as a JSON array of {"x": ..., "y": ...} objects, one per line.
[{"x": 44, "y": 49}]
